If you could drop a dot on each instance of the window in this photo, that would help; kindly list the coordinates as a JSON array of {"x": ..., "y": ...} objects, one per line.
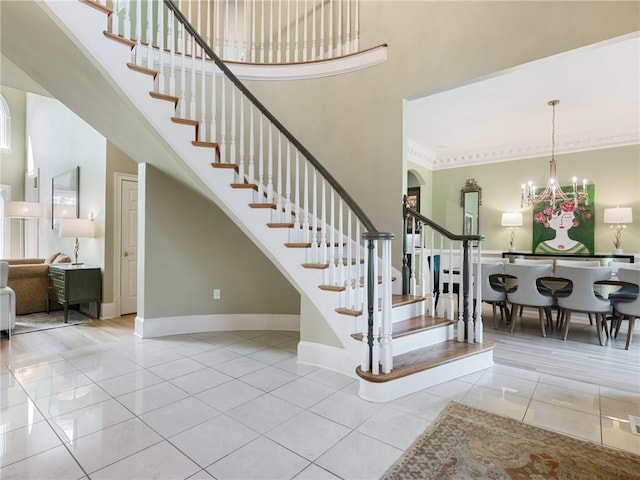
[{"x": 5, "y": 125}]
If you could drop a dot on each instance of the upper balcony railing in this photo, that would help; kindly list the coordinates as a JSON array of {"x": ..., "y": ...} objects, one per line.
[{"x": 255, "y": 31}]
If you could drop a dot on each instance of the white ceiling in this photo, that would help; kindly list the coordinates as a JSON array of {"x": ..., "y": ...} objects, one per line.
[{"x": 506, "y": 116}]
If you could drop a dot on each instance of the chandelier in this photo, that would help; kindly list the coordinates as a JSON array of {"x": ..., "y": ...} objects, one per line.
[{"x": 553, "y": 195}]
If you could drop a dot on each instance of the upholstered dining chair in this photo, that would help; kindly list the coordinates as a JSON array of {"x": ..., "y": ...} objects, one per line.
[
  {"x": 582, "y": 296},
  {"x": 529, "y": 291},
  {"x": 626, "y": 293},
  {"x": 625, "y": 308},
  {"x": 533, "y": 261},
  {"x": 492, "y": 293},
  {"x": 577, "y": 263},
  {"x": 7, "y": 301}
]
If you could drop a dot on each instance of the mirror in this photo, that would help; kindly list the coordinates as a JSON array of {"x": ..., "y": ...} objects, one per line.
[
  {"x": 470, "y": 201},
  {"x": 64, "y": 197}
]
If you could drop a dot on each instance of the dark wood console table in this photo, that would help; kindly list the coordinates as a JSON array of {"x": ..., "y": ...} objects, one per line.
[
  {"x": 576, "y": 256},
  {"x": 74, "y": 284}
]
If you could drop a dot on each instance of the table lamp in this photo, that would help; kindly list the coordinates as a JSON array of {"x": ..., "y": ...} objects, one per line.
[
  {"x": 618, "y": 216},
  {"x": 513, "y": 220},
  {"x": 76, "y": 227}
]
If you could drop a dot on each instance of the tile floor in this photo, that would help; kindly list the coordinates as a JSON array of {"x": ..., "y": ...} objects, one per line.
[{"x": 237, "y": 405}]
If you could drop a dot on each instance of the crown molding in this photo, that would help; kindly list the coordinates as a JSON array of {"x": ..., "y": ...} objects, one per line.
[{"x": 508, "y": 152}]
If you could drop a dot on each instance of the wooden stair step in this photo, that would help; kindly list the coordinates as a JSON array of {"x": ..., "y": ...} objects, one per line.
[
  {"x": 396, "y": 301},
  {"x": 426, "y": 358},
  {"x": 119, "y": 39},
  {"x": 322, "y": 266},
  {"x": 188, "y": 122},
  {"x": 309, "y": 244},
  {"x": 287, "y": 225},
  {"x": 167, "y": 98},
  {"x": 342, "y": 288},
  {"x": 97, "y": 6},
  {"x": 225, "y": 165},
  {"x": 417, "y": 324},
  {"x": 144, "y": 70},
  {"x": 247, "y": 186}
]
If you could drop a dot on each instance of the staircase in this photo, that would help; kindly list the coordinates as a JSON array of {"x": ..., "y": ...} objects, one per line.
[{"x": 290, "y": 206}]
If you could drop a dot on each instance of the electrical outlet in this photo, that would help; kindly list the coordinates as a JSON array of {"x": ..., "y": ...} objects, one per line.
[{"x": 216, "y": 294}]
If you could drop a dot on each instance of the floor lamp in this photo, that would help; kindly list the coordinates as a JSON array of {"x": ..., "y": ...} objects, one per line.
[{"x": 23, "y": 211}]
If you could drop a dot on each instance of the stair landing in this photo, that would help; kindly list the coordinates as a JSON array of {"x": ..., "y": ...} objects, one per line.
[{"x": 425, "y": 367}]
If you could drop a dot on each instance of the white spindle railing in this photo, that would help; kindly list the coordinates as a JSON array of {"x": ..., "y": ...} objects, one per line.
[
  {"x": 255, "y": 31},
  {"x": 301, "y": 193},
  {"x": 426, "y": 259}
]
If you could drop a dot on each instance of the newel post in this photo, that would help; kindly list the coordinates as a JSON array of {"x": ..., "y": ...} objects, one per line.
[
  {"x": 378, "y": 303},
  {"x": 405, "y": 261}
]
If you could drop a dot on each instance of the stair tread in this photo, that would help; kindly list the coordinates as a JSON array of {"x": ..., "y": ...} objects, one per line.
[
  {"x": 119, "y": 39},
  {"x": 426, "y": 358},
  {"x": 225, "y": 165},
  {"x": 417, "y": 324},
  {"x": 163, "y": 96},
  {"x": 97, "y": 6},
  {"x": 147, "y": 71},
  {"x": 396, "y": 301},
  {"x": 185, "y": 121},
  {"x": 248, "y": 186}
]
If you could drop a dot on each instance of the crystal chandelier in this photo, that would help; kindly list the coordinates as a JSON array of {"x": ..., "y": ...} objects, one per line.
[{"x": 553, "y": 194}]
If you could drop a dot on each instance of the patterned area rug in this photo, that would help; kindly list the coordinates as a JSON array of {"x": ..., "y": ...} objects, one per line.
[
  {"x": 465, "y": 443},
  {"x": 35, "y": 322}
]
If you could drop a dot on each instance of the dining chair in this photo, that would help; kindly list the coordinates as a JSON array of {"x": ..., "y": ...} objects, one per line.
[
  {"x": 577, "y": 263},
  {"x": 625, "y": 293},
  {"x": 582, "y": 296},
  {"x": 626, "y": 308},
  {"x": 533, "y": 261},
  {"x": 492, "y": 292},
  {"x": 529, "y": 291}
]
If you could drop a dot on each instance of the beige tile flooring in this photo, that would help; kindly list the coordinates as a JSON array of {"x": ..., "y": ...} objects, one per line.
[{"x": 237, "y": 405}]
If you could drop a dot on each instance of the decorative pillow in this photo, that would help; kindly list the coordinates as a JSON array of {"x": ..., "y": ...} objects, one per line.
[
  {"x": 62, "y": 258},
  {"x": 51, "y": 258}
]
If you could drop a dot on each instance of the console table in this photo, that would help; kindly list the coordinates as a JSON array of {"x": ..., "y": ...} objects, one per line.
[
  {"x": 74, "y": 284},
  {"x": 629, "y": 258}
]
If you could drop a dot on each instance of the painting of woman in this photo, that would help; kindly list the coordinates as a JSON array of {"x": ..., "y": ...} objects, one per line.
[{"x": 566, "y": 227}]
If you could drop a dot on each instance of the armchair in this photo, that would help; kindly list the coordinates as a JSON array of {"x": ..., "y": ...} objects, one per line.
[{"x": 7, "y": 301}]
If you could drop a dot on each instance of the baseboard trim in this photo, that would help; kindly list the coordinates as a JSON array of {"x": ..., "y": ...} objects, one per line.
[
  {"x": 161, "y": 327},
  {"x": 108, "y": 311},
  {"x": 327, "y": 357}
]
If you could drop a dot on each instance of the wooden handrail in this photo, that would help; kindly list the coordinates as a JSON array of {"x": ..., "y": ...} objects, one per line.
[{"x": 368, "y": 224}]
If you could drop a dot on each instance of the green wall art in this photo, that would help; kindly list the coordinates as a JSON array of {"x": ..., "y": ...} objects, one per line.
[{"x": 566, "y": 227}]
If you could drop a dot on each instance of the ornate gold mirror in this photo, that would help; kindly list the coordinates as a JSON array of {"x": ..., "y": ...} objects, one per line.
[{"x": 470, "y": 201}]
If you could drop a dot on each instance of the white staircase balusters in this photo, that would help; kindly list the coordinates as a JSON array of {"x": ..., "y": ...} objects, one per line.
[
  {"x": 305, "y": 39},
  {"x": 306, "y": 225},
  {"x": 183, "y": 72},
  {"x": 386, "y": 346},
  {"x": 252, "y": 155},
  {"x": 241, "y": 167},
  {"x": 161, "y": 42},
  {"x": 223, "y": 120},
  {"x": 213, "y": 135},
  {"x": 149, "y": 35},
  {"x": 192, "y": 102},
  {"x": 261, "y": 159},
  {"x": 269, "y": 164},
  {"x": 233, "y": 126},
  {"x": 204, "y": 131},
  {"x": 287, "y": 194},
  {"x": 172, "y": 54}
]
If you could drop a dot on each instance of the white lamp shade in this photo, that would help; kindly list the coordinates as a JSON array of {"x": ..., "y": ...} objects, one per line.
[
  {"x": 76, "y": 227},
  {"x": 22, "y": 210},
  {"x": 512, "y": 219},
  {"x": 618, "y": 215},
  {"x": 64, "y": 211}
]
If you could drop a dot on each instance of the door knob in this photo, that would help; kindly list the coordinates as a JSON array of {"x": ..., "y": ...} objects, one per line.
[{"x": 126, "y": 254}]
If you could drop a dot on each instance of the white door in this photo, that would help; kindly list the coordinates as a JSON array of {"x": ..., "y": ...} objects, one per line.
[{"x": 128, "y": 247}]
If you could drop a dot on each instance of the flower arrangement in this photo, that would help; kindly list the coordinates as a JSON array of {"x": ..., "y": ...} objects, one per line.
[{"x": 580, "y": 212}]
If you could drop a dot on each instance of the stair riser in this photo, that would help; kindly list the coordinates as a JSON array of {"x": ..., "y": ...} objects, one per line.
[
  {"x": 404, "y": 312},
  {"x": 387, "y": 391},
  {"x": 423, "y": 339}
]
